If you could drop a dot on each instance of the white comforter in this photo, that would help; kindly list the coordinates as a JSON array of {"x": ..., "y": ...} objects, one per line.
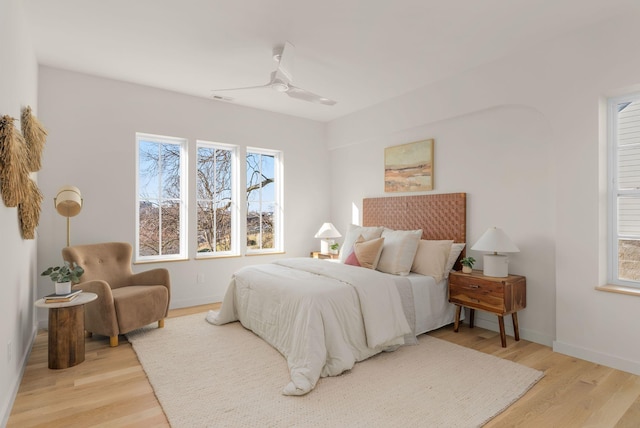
[{"x": 322, "y": 316}]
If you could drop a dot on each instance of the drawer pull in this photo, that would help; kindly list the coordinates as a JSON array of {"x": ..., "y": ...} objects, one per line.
[{"x": 473, "y": 286}]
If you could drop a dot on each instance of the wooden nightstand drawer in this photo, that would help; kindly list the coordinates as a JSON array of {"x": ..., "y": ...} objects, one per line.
[
  {"x": 478, "y": 294},
  {"x": 498, "y": 295}
]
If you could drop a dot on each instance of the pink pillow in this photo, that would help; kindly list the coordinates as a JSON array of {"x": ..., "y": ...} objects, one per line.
[
  {"x": 365, "y": 253},
  {"x": 352, "y": 259}
]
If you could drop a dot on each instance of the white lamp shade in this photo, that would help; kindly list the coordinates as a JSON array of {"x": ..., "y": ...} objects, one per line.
[
  {"x": 496, "y": 241},
  {"x": 327, "y": 230},
  {"x": 68, "y": 201}
]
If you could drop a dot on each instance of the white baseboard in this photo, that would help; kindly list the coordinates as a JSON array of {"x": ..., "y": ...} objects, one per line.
[
  {"x": 597, "y": 357},
  {"x": 530, "y": 335},
  {"x": 185, "y": 303},
  {"x": 5, "y": 411}
]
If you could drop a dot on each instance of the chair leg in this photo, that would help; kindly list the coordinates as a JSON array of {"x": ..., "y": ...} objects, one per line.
[
  {"x": 161, "y": 323},
  {"x": 113, "y": 341}
]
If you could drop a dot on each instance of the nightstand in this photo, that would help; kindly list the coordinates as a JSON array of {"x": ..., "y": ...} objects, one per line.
[
  {"x": 501, "y": 296},
  {"x": 319, "y": 255}
]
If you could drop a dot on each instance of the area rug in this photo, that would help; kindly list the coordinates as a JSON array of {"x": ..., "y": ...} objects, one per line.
[{"x": 226, "y": 376}]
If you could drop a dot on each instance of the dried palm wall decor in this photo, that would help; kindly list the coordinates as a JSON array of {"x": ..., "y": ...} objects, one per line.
[
  {"x": 35, "y": 136},
  {"x": 29, "y": 211},
  {"x": 13, "y": 163}
]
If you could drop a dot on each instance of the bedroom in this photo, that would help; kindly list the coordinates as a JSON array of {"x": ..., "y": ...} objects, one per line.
[{"x": 534, "y": 113}]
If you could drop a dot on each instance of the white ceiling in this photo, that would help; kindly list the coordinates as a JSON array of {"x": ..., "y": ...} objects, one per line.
[{"x": 357, "y": 52}]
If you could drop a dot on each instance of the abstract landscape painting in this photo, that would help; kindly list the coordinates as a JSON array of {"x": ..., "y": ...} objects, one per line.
[{"x": 409, "y": 167}]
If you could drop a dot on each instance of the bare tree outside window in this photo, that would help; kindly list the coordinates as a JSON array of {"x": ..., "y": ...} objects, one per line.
[
  {"x": 159, "y": 197},
  {"x": 214, "y": 198},
  {"x": 261, "y": 201}
]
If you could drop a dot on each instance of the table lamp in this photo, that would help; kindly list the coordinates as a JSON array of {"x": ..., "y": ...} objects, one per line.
[
  {"x": 327, "y": 232},
  {"x": 496, "y": 241}
]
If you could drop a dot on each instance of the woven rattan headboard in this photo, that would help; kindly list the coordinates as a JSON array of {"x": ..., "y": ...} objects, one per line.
[{"x": 440, "y": 216}]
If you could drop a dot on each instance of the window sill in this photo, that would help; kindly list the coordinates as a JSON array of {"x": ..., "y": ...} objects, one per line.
[
  {"x": 631, "y": 291},
  {"x": 209, "y": 256},
  {"x": 145, "y": 262},
  {"x": 265, "y": 253}
]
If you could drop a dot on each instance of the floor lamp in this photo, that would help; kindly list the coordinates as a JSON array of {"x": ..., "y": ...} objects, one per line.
[{"x": 68, "y": 203}]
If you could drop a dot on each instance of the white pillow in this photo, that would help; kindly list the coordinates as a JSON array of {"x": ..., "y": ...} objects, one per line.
[
  {"x": 352, "y": 235},
  {"x": 431, "y": 258},
  {"x": 456, "y": 249},
  {"x": 399, "y": 250}
]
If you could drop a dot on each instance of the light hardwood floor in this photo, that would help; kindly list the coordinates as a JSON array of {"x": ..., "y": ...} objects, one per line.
[{"x": 110, "y": 389}]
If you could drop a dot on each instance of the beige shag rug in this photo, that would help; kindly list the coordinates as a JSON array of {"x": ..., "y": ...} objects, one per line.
[{"x": 225, "y": 376}]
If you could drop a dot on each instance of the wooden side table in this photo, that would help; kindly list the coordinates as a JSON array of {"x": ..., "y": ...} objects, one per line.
[
  {"x": 319, "y": 255},
  {"x": 501, "y": 296},
  {"x": 66, "y": 330}
]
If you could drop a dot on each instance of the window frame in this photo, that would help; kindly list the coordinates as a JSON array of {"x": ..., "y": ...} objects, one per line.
[
  {"x": 235, "y": 212},
  {"x": 278, "y": 221},
  {"x": 184, "y": 197},
  {"x": 614, "y": 193}
]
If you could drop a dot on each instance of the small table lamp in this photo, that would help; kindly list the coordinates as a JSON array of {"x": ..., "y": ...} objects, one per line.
[
  {"x": 327, "y": 232},
  {"x": 495, "y": 240}
]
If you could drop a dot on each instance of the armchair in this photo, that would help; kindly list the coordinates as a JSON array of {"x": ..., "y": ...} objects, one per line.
[{"x": 126, "y": 301}]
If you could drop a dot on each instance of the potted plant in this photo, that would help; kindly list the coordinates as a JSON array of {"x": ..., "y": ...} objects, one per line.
[
  {"x": 333, "y": 248},
  {"x": 467, "y": 264},
  {"x": 63, "y": 276}
]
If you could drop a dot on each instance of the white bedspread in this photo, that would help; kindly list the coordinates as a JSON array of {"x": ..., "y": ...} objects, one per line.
[{"x": 322, "y": 316}]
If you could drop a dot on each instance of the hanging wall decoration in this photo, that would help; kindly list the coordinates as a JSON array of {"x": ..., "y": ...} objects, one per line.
[
  {"x": 409, "y": 167},
  {"x": 29, "y": 211},
  {"x": 13, "y": 164},
  {"x": 35, "y": 136}
]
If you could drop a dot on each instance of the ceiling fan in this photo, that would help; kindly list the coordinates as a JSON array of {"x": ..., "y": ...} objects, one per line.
[{"x": 282, "y": 77}]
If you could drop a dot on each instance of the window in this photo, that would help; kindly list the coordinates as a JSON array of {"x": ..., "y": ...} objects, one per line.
[
  {"x": 161, "y": 192},
  {"x": 264, "y": 200},
  {"x": 216, "y": 198},
  {"x": 624, "y": 191}
]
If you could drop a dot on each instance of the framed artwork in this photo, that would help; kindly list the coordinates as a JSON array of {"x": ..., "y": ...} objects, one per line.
[{"x": 409, "y": 167}]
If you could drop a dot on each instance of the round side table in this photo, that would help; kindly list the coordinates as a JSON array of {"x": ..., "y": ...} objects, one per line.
[{"x": 66, "y": 330}]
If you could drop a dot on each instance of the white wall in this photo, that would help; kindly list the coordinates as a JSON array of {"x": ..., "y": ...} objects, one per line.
[
  {"x": 92, "y": 123},
  {"x": 523, "y": 137},
  {"x": 18, "y": 88}
]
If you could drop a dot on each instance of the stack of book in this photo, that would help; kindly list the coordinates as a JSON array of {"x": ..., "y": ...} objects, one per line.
[{"x": 59, "y": 298}]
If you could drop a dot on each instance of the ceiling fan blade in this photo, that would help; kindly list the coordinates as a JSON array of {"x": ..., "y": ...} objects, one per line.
[
  {"x": 305, "y": 95},
  {"x": 243, "y": 88},
  {"x": 285, "y": 65}
]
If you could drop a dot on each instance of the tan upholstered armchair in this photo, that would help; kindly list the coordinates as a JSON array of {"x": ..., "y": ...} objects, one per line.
[{"x": 126, "y": 301}]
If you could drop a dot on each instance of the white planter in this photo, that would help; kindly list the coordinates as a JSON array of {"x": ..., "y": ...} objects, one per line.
[
  {"x": 63, "y": 287},
  {"x": 466, "y": 269}
]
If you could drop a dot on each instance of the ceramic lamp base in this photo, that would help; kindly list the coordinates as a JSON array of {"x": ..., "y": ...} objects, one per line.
[
  {"x": 496, "y": 265},
  {"x": 324, "y": 246}
]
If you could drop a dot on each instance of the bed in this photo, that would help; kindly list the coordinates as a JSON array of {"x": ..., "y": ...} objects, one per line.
[{"x": 323, "y": 316}]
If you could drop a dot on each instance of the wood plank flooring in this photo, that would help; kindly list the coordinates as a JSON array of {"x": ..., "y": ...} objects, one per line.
[{"x": 110, "y": 389}]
